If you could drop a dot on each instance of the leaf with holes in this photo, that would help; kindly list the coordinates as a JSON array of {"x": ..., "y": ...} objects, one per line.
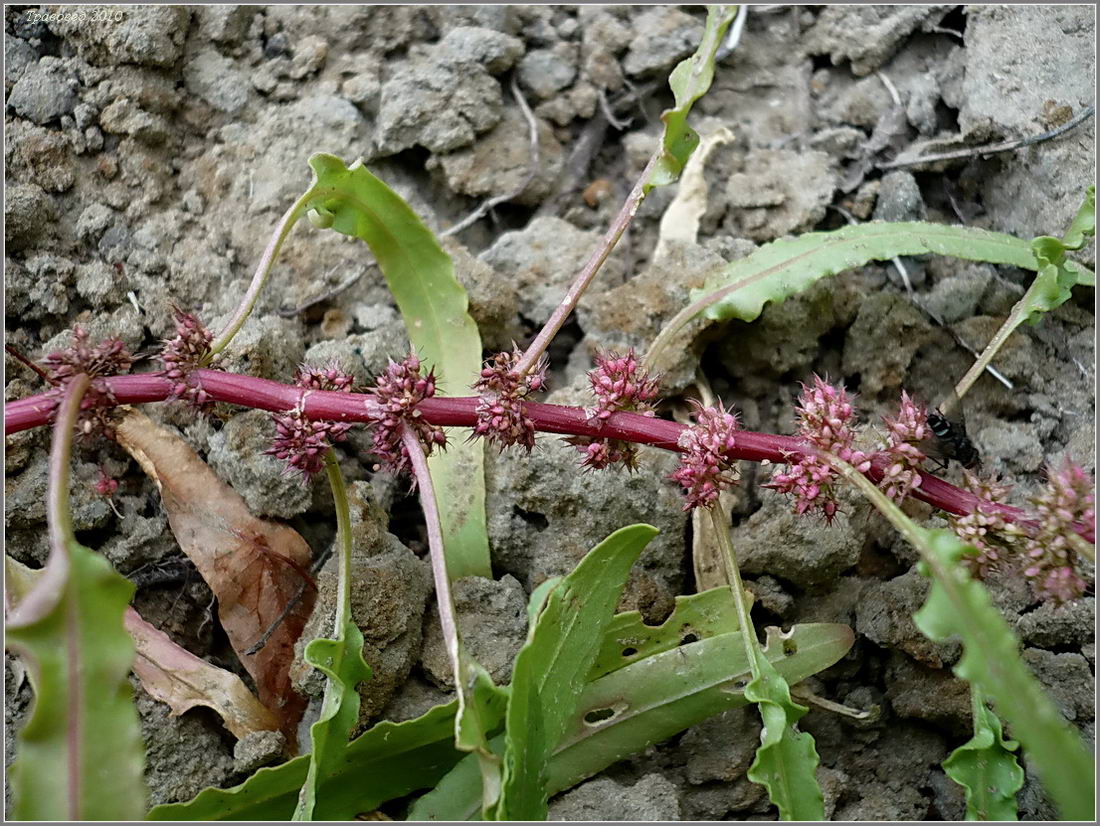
[
  {"x": 551, "y": 667},
  {"x": 646, "y": 702},
  {"x": 256, "y": 568}
]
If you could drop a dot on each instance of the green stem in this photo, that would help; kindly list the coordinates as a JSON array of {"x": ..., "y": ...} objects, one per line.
[
  {"x": 733, "y": 574},
  {"x": 259, "y": 278},
  {"x": 343, "y": 539}
]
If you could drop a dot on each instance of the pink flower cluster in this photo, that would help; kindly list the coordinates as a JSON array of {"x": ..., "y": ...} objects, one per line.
[
  {"x": 301, "y": 442},
  {"x": 398, "y": 390},
  {"x": 619, "y": 383},
  {"x": 825, "y": 413},
  {"x": 904, "y": 433},
  {"x": 184, "y": 354},
  {"x": 985, "y": 529},
  {"x": 108, "y": 358},
  {"x": 1068, "y": 498},
  {"x": 707, "y": 466},
  {"x": 500, "y": 414}
]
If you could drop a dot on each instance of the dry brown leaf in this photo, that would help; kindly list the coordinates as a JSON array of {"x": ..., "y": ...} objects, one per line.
[
  {"x": 177, "y": 677},
  {"x": 255, "y": 567}
]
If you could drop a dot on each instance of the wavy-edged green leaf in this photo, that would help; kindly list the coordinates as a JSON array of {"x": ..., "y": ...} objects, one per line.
[
  {"x": 551, "y": 668},
  {"x": 482, "y": 706},
  {"x": 689, "y": 81},
  {"x": 649, "y": 701},
  {"x": 786, "y": 760},
  {"x": 695, "y": 617},
  {"x": 340, "y": 660},
  {"x": 434, "y": 305},
  {"x": 986, "y": 767},
  {"x": 958, "y": 605},
  {"x": 780, "y": 269},
  {"x": 1083, "y": 225},
  {"x": 80, "y": 755},
  {"x": 386, "y": 762}
]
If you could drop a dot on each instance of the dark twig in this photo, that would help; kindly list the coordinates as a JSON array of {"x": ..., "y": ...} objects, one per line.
[
  {"x": 313, "y": 302},
  {"x": 291, "y": 604},
  {"x": 532, "y": 167},
  {"x": 994, "y": 148},
  {"x": 15, "y": 354}
]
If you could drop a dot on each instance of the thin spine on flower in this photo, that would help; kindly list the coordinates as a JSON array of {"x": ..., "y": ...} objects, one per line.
[
  {"x": 183, "y": 355},
  {"x": 707, "y": 466},
  {"x": 107, "y": 358},
  {"x": 825, "y": 413},
  {"x": 502, "y": 392},
  {"x": 397, "y": 392},
  {"x": 300, "y": 441},
  {"x": 902, "y": 474},
  {"x": 619, "y": 383},
  {"x": 1068, "y": 498}
]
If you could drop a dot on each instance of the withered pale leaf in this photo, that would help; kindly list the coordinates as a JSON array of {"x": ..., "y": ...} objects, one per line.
[
  {"x": 255, "y": 567},
  {"x": 175, "y": 676}
]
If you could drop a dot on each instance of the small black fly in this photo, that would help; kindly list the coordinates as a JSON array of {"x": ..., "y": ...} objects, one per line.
[{"x": 951, "y": 441}]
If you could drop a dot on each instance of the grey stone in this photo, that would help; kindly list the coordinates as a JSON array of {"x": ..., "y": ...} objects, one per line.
[
  {"x": 492, "y": 300},
  {"x": 184, "y": 754},
  {"x": 868, "y": 36},
  {"x": 665, "y": 36},
  {"x": 46, "y": 91},
  {"x": 1068, "y": 681},
  {"x": 237, "y": 455},
  {"x": 494, "y": 50},
  {"x": 85, "y": 115},
  {"x": 28, "y": 214},
  {"x": 545, "y": 72},
  {"x": 94, "y": 221},
  {"x": 19, "y": 55},
  {"x": 257, "y": 749},
  {"x": 40, "y": 288},
  {"x": 224, "y": 24},
  {"x": 492, "y": 621},
  {"x": 884, "y": 317},
  {"x": 722, "y": 747},
  {"x": 499, "y": 162},
  {"x": 390, "y": 587},
  {"x": 542, "y": 260},
  {"x": 899, "y": 198},
  {"x": 39, "y": 155},
  {"x": 654, "y": 797},
  {"x": 793, "y": 548},
  {"x": 309, "y": 56},
  {"x": 779, "y": 192},
  {"x": 145, "y": 35},
  {"x": 931, "y": 694},
  {"x": 957, "y": 295},
  {"x": 125, "y": 117},
  {"x": 541, "y": 516},
  {"x": 884, "y": 615},
  {"x": 217, "y": 80},
  {"x": 1053, "y": 626},
  {"x": 436, "y": 104}
]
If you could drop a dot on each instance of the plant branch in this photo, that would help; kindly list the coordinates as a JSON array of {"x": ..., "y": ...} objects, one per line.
[
  {"x": 589, "y": 270},
  {"x": 443, "y": 595},
  {"x": 461, "y": 411},
  {"x": 259, "y": 278}
]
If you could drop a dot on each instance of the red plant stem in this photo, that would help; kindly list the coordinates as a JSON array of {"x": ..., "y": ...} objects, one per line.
[
  {"x": 461, "y": 411},
  {"x": 592, "y": 266}
]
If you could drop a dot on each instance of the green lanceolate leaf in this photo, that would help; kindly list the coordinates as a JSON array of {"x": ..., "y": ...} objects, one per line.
[
  {"x": 783, "y": 268},
  {"x": 340, "y": 660},
  {"x": 80, "y": 755},
  {"x": 986, "y": 767},
  {"x": 786, "y": 758},
  {"x": 387, "y": 762},
  {"x": 551, "y": 668},
  {"x": 957, "y": 605},
  {"x": 778, "y": 270},
  {"x": 649, "y": 701},
  {"x": 695, "y": 617},
  {"x": 689, "y": 81},
  {"x": 420, "y": 275}
]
